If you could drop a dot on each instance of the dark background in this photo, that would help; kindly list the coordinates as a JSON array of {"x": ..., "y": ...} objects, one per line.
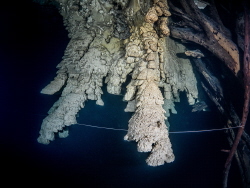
[{"x": 32, "y": 42}]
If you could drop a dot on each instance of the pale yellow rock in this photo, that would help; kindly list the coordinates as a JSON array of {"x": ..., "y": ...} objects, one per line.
[
  {"x": 147, "y": 125},
  {"x": 152, "y": 65},
  {"x": 143, "y": 74},
  {"x": 153, "y": 46},
  {"x": 163, "y": 26},
  {"x": 133, "y": 51},
  {"x": 92, "y": 54},
  {"x": 151, "y": 16},
  {"x": 87, "y": 60},
  {"x": 158, "y": 10},
  {"x": 55, "y": 85},
  {"x": 130, "y": 106},
  {"x": 130, "y": 60},
  {"x": 161, "y": 66},
  {"x": 151, "y": 57}
]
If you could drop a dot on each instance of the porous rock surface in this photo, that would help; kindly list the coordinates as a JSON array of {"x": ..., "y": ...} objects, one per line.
[
  {"x": 92, "y": 54},
  {"x": 104, "y": 45}
]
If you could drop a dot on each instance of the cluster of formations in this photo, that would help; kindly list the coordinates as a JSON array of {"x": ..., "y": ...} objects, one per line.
[{"x": 111, "y": 40}]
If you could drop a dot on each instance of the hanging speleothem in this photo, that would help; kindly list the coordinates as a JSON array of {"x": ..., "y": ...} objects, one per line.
[{"x": 111, "y": 39}]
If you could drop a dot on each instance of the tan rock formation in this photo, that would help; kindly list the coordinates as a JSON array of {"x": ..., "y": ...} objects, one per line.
[
  {"x": 89, "y": 57},
  {"x": 156, "y": 66},
  {"x": 147, "y": 126},
  {"x": 93, "y": 53}
]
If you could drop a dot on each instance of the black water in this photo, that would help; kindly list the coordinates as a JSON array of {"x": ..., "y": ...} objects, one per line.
[{"x": 32, "y": 43}]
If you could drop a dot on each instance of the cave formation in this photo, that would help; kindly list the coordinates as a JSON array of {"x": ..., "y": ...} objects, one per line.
[{"x": 114, "y": 41}]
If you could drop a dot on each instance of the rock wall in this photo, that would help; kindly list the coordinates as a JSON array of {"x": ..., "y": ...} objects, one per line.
[{"x": 111, "y": 39}]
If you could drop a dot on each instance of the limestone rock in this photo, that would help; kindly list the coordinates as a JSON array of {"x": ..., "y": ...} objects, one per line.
[
  {"x": 147, "y": 126},
  {"x": 55, "y": 85},
  {"x": 96, "y": 51},
  {"x": 163, "y": 26},
  {"x": 130, "y": 106},
  {"x": 178, "y": 71},
  {"x": 87, "y": 60},
  {"x": 151, "y": 16},
  {"x": 63, "y": 134}
]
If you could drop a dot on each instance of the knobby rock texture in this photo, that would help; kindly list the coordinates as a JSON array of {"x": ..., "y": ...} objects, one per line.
[{"x": 111, "y": 39}]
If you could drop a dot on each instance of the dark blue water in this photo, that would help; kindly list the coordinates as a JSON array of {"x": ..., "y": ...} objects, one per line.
[{"x": 32, "y": 43}]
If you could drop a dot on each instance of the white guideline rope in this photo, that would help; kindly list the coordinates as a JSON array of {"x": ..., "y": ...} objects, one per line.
[
  {"x": 174, "y": 132},
  {"x": 208, "y": 130},
  {"x": 103, "y": 127}
]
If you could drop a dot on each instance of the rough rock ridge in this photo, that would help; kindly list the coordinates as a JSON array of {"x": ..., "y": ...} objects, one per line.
[
  {"x": 147, "y": 125},
  {"x": 91, "y": 55},
  {"x": 106, "y": 45}
]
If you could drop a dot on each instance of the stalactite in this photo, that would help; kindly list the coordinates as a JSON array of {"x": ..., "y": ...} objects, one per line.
[{"x": 111, "y": 40}]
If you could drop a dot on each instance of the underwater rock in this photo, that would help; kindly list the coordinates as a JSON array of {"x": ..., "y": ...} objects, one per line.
[
  {"x": 178, "y": 72},
  {"x": 88, "y": 58},
  {"x": 147, "y": 126},
  {"x": 199, "y": 106},
  {"x": 156, "y": 67},
  {"x": 100, "y": 48},
  {"x": 131, "y": 106},
  {"x": 63, "y": 133},
  {"x": 55, "y": 85},
  {"x": 121, "y": 29}
]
